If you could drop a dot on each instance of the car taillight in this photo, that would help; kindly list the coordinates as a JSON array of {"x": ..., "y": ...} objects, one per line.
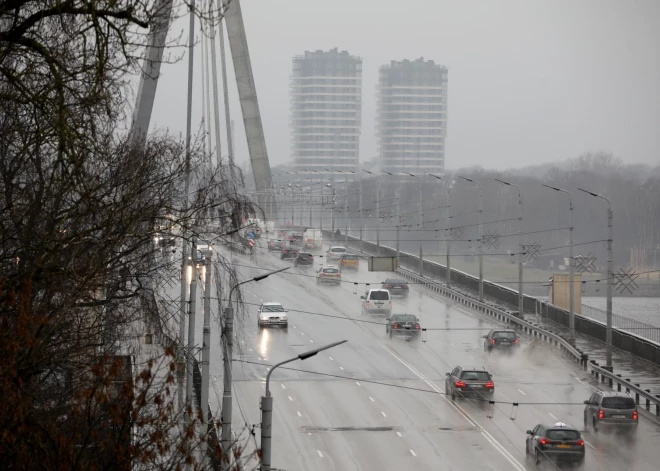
[
  {"x": 405, "y": 286},
  {"x": 396, "y": 326},
  {"x": 601, "y": 414},
  {"x": 490, "y": 385},
  {"x": 388, "y": 286},
  {"x": 416, "y": 326},
  {"x": 367, "y": 303},
  {"x": 580, "y": 443},
  {"x": 322, "y": 274},
  {"x": 338, "y": 274},
  {"x": 492, "y": 341},
  {"x": 460, "y": 384},
  {"x": 635, "y": 416},
  {"x": 390, "y": 303},
  {"x": 517, "y": 341},
  {"x": 545, "y": 441}
]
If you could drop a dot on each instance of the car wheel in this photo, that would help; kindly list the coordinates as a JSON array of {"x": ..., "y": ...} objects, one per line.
[
  {"x": 594, "y": 423},
  {"x": 391, "y": 333},
  {"x": 537, "y": 458},
  {"x": 259, "y": 325},
  {"x": 286, "y": 326},
  {"x": 586, "y": 422}
]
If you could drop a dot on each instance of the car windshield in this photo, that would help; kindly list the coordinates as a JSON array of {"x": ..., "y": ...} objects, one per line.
[
  {"x": 338, "y": 249},
  {"x": 618, "y": 402},
  {"x": 563, "y": 434},
  {"x": 404, "y": 318},
  {"x": 394, "y": 281},
  {"x": 297, "y": 236},
  {"x": 350, "y": 257},
  {"x": 305, "y": 255},
  {"x": 273, "y": 308},
  {"x": 330, "y": 270},
  {"x": 475, "y": 375},
  {"x": 504, "y": 335},
  {"x": 380, "y": 295}
]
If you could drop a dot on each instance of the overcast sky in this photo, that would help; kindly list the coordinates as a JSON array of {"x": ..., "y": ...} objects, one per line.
[{"x": 530, "y": 81}]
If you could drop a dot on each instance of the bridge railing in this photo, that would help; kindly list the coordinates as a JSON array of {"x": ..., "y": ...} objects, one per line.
[{"x": 642, "y": 329}]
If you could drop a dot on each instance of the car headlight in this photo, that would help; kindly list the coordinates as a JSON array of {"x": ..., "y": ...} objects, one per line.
[{"x": 283, "y": 317}]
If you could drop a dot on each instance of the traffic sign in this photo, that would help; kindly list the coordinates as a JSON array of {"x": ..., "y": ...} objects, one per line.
[{"x": 251, "y": 243}]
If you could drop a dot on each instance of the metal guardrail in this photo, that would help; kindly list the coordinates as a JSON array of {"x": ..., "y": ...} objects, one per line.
[
  {"x": 535, "y": 331},
  {"x": 633, "y": 326}
]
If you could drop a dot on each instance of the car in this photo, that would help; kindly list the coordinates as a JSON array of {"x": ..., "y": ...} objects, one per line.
[
  {"x": 328, "y": 275},
  {"x": 349, "y": 261},
  {"x": 377, "y": 301},
  {"x": 313, "y": 239},
  {"x": 611, "y": 410},
  {"x": 558, "y": 443},
  {"x": 204, "y": 247},
  {"x": 200, "y": 259},
  {"x": 403, "y": 324},
  {"x": 275, "y": 244},
  {"x": 501, "y": 339},
  {"x": 471, "y": 383},
  {"x": 272, "y": 314},
  {"x": 282, "y": 233},
  {"x": 396, "y": 287},
  {"x": 165, "y": 239},
  {"x": 296, "y": 238},
  {"x": 303, "y": 259},
  {"x": 288, "y": 252},
  {"x": 335, "y": 252}
]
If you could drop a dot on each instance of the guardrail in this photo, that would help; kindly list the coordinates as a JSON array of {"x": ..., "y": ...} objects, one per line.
[
  {"x": 535, "y": 331},
  {"x": 635, "y": 327}
]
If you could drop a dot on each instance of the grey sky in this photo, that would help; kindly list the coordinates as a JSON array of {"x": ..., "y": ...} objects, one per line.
[{"x": 530, "y": 81}]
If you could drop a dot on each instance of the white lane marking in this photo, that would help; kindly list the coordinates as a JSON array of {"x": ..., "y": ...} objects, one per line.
[
  {"x": 358, "y": 383},
  {"x": 311, "y": 341},
  {"x": 267, "y": 369},
  {"x": 290, "y": 398},
  {"x": 302, "y": 333},
  {"x": 552, "y": 416},
  {"x": 384, "y": 414},
  {"x": 319, "y": 452},
  {"x": 330, "y": 358},
  {"x": 497, "y": 445},
  {"x": 399, "y": 434},
  {"x": 341, "y": 368},
  {"x": 309, "y": 433},
  {"x": 412, "y": 452},
  {"x": 452, "y": 344},
  {"x": 250, "y": 349},
  {"x": 299, "y": 414},
  {"x": 283, "y": 387},
  {"x": 521, "y": 392},
  {"x": 254, "y": 295},
  {"x": 371, "y": 399},
  {"x": 433, "y": 333},
  {"x": 295, "y": 327},
  {"x": 593, "y": 447},
  {"x": 259, "y": 358},
  {"x": 579, "y": 380},
  {"x": 242, "y": 341}
]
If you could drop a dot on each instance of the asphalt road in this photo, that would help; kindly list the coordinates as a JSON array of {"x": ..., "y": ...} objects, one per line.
[{"x": 378, "y": 403}]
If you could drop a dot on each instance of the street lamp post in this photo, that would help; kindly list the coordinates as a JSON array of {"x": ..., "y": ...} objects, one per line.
[
  {"x": 522, "y": 248},
  {"x": 610, "y": 269},
  {"x": 421, "y": 212},
  {"x": 228, "y": 334},
  {"x": 447, "y": 223},
  {"x": 571, "y": 280},
  {"x": 267, "y": 406},
  {"x": 481, "y": 238}
]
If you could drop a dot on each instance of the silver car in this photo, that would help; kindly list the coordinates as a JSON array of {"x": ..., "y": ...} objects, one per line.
[
  {"x": 612, "y": 410},
  {"x": 272, "y": 314}
]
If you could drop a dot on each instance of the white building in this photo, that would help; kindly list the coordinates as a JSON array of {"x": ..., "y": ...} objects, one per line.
[
  {"x": 326, "y": 107},
  {"x": 412, "y": 116}
]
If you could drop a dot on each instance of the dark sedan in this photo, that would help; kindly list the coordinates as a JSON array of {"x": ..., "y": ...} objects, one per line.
[
  {"x": 558, "y": 443},
  {"x": 396, "y": 287},
  {"x": 501, "y": 339},
  {"x": 403, "y": 324},
  {"x": 288, "y": 252},
  {"x": 275, "y": 244}
]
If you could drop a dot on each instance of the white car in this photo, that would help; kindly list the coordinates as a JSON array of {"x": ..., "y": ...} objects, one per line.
[
  {"x": 335, "y": 252},
  {"x": 272, "y": 314},
  {"x": 377, "y": 301}
]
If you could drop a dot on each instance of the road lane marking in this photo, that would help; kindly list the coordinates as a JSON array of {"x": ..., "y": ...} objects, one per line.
[
  {"x": 311, "y": 341},
  {"x": 267, "y": 369},
  {"x": 521, "y": 392},
  {"x": 295, "y": 327},
  {"x": 371, "y": 399},
  {"x": 330, "y": 358},
  {"x": 552, "y": 416},
  {"x": 590, "y": 444},
  {"x": 250, "y": 349},
  {"x": 412, "y": 452},
  {"x": 282, "y": 386},
  {"x": 384, "y": 414},
  {"x": 341, "y": 368},
  {"x": 399, "y": 434},
  {"x": 319, "y": 452},
  {"x": 259, "y": 358},
  {"x": 579, "y": 380},
  {"x": 299, "y": 414},
  {"x": 358, "y": 383},
  {"x": 497, "y": 445},
  {"x": 302, "y": 333},
  {"x": 290, "y": 398}
]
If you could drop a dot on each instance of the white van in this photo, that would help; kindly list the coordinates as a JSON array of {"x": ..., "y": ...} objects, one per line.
[
  {"x": 377, "y": 301},
  {"x": 312, "y": 239}
]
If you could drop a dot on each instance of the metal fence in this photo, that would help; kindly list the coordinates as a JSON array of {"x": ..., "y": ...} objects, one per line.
[{"x": 641, "y": 329}]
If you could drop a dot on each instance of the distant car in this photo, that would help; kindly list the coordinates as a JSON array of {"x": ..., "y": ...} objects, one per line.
[
  {"x": 403, "y": 324},
  {"x": 296, "y": 238},
  {"x": 288, "y": 252},
  {"x": 165, "y": 239},
  {"x": 558, "y": 443},
  {"x": 335, "y": 252},
  {"x": 304, "y": 259},
  {"x": 396, "y": 287},
  {"x": 328, "y": 275},
  {"x": 377, "y": 301},
  {"x": 282, "y": 233},
  {"x": 200, "y": 258},
  {"x": 204, "y": 247},
  {"x": 349, "y": 261},
  {"x": 272, "y": 314},
  {"x": 473, "y": 383},
  {"x": 501, "y": 339},
  {"x": 275, "y": 244},
  {"x": 611, "y": 410}
]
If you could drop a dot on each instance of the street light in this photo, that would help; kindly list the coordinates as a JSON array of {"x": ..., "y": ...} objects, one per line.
[
  {"x": 267, "y": 405},
  {"x": 447, "y": 222},
  {"x": 610, "y": 280},
  {"x": 421, "y": 211},
  {"x": 481, "y": 238},
  {"x": 229, "y": 344},
  {"x": 571, "y": 315},
  {"x": 521, "y": 312}
]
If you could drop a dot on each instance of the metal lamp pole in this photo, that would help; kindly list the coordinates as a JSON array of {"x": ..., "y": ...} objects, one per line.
[
  {"x": 481, "y": 238},
  {"x": 610, "y": 275},
  {"x": 421, "y": 212},
  {"x": 266, "y": 406},
  {"x": 522, "y": 248},
  {"x": 228, "y": 333},
  {"x": 447, "y": 222},
  {"x": 571, "y": 315}
]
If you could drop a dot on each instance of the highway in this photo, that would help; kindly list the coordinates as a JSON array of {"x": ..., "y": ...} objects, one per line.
[{"x": 378, "y": 403}]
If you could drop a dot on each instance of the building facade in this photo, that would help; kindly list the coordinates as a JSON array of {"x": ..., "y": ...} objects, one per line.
[
  {"x": 326, "y": 112},
  {"x": 411, "y": 124}
]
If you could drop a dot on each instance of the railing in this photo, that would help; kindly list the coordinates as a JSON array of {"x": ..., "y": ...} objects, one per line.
[{"x": 642, "y": 329}]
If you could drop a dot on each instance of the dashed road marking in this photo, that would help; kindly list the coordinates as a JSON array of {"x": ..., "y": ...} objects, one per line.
[
  {"x": 521, "y": 392},
  {"x": 283, "y": 387},
  {"x": 412, "y": 452},
  {"x": 250, "y": 349},
  {"x": 593, "y": 447},
  {"x": 259, "y": 358},
  {"x": 330, "y": 358},
  {"x": 358, "y": 383},
  {"x": 371, "y": 399},
  {"x": 311, "y": 341},
  {"x": 399, "y": 434},
  {"x": 295, "y": 327},
  {"x": 554, "y": 417},
  {"x": 302, "y": 333},
  {"x": 579, "y": 380},
  {"x": 319, "y": 452},
  {"x": 342, "y": 368},
  {"x": 384, "y": 414},
  {"x": 290, "y": 398},
  {"x": 299, "y": 414}
]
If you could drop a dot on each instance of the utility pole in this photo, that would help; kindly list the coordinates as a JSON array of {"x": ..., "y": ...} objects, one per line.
[
  {"x": 610, "y": 281},
  {"x": 362, "y": 219},
  {"x": 346, "y": 211},
  {"x": 448, "y": 244},
  {"x": 421, "y": 212},
  {"x": 398, "y": 224},
  {"x": 206, "y": 350},
  {"x": 191, "y": 332},
  {"x": 521, "y": 250},
  {"x": 481, "y": 237}
]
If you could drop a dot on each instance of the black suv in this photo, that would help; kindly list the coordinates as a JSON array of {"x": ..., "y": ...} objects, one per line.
[
  {"x": 501, "y": 339},
  {"x": 558, "y": 443},
  {"x": 403, "y": 324},
  {"x": 463, "y": 382},
  {"x": 303, "y": 259}
]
